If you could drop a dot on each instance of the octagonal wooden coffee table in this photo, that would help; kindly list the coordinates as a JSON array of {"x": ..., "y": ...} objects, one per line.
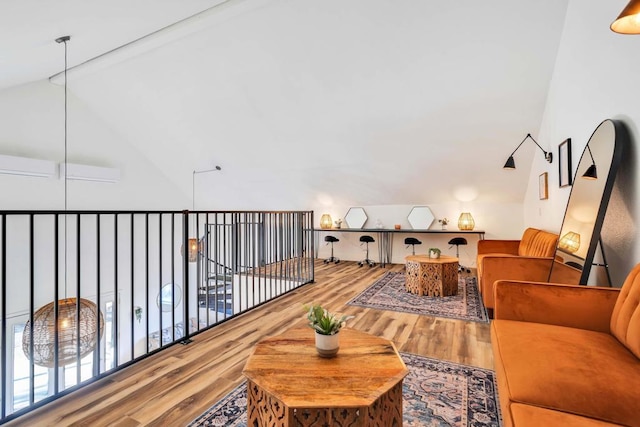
[
  {"x": 289, "y": 384},
  {"x": 434, "y": 277}
]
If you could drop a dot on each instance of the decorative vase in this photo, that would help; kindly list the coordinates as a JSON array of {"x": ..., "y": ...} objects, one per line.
[
  {"x": 327, "y": 345},
  {"x": 434, "y": 255}
]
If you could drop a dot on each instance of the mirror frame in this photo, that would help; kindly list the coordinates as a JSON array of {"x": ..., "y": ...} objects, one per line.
[
  {"x": 358, "y": 218},
  {"x": 177, "y": 297},
  {"x": 620, "y": 142},
  {"x": 421, "y": 217}
]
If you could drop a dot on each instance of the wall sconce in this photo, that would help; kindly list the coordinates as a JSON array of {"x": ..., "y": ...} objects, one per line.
[
  {"x": 466, "y": 222},
  {"x": 325, "y": 221},
  {"x": 592, "y": 171},
  {"x": 570, "y": 242},
  {"x": 628, "y": 22},
  {"x": 511, "y": 164}
]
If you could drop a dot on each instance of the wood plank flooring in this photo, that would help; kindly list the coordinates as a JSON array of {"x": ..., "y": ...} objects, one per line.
[{"x": 176, "y": 385}]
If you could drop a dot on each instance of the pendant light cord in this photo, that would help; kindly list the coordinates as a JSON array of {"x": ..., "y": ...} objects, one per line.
[
  {"x": 65, "y": 125},
  {"x": 64, "y": 40},
  {"x": 66, "y": 219}
]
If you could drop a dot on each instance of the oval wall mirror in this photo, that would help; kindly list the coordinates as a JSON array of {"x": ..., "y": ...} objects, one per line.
[
  {"x": 587, "y": 204},
  {"x": 168, "y": 294}
]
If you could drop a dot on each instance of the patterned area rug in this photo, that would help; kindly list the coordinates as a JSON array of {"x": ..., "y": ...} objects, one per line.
[
  {"x": 435, "y": 394},
  {"x": 388, "y": 293}
]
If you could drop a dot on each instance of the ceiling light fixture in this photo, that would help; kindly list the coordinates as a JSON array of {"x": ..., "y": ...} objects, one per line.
[
  {"x": 511, "y": 164},
  {"x": 628, "y": 22},
  {"x": 62, "y": 331},
  {"x": 196, "y": 245}
]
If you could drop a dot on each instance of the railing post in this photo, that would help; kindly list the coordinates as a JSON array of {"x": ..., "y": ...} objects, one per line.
[{"x": 185, "y": 277}]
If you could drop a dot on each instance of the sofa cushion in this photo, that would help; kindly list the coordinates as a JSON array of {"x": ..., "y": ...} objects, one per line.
[
  {"x": 480, "y": 259},
  {"x": 625, "y": 320},
  {"x": 537, "y": 243},
  {"x": 582, "y": 372},
  {"x": 534, "y": 416}
]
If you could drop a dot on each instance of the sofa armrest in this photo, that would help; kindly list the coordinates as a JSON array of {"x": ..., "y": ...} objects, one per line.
[
  {"x": 498, "y": 247},
  {"x": 505, "y": 267},
  {"x": 574, "y": 306}
]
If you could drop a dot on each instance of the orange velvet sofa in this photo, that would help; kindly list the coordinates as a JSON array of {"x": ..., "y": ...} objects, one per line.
[
  {"x": 567, "y": 355},
  {"x": 529, "y": 258}
]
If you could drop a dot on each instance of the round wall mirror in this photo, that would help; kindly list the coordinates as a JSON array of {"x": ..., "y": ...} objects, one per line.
[
  {"x": 169, "y": 294},
  {"x": 587, "y": 204}
]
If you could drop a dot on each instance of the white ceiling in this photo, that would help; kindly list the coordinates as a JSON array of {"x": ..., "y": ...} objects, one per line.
[{"x": 306, "y": 103}]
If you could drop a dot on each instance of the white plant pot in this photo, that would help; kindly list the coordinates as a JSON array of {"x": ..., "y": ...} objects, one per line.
[
  {"x": 435, "y": 255},
  {"x": 327, "y": 345}
]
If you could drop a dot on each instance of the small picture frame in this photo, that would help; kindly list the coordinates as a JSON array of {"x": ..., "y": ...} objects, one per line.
[
  {"x": 543, "y": 187},
  {"x": 564, "y": 163}
]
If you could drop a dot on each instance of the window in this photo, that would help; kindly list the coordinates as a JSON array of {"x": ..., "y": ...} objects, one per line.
[{"x": 21, "y": 375}]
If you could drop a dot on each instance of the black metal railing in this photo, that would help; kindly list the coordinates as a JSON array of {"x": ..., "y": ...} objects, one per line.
[{"x": 157, "y": 278}]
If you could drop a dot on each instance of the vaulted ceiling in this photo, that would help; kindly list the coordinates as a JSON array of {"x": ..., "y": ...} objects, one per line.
[{"x": 306, "y": 103}]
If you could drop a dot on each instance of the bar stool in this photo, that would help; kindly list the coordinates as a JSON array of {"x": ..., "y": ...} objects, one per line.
[
  {"x": 331, "y": 240},
  {"x": 366, "y": 240},
  {"x": 412, "y": 241},
  {"x": 457, "y": 241}
]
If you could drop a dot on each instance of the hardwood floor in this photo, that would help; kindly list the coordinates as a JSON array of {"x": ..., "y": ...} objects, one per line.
[{"x": 178, "y": 384}]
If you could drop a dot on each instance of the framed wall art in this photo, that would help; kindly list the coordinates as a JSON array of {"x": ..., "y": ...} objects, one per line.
[
  {"x": 564, "y": 163},
  {"x": 543, "y": 187}
]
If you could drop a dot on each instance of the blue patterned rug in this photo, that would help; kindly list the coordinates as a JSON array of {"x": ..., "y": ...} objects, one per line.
[
  {"x": 435, "y": 393},
  {"x": 388, "y": 293}
]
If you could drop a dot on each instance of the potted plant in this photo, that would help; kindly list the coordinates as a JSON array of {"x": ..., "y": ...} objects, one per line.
[
  {"x": 434, "y": 253},
  {"x": 326, "y": 326},
  {"x": 444, "y": 222}
]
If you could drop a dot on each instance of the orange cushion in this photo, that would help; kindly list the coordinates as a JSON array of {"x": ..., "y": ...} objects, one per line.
[
  {"x": 582, "y": 372},
  {"x": 533, "y": 416},
  {"x": 538, "y": 243},
  {"x": 481, "y": 257},
  {"x": 625, "y": 320},
  {"x": 527, "y": 237}
]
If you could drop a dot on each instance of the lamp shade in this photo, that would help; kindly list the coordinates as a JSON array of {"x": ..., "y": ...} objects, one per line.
[
  {"x": 570, "y": 242},
  {"x": 326, "y": 221},
  {"x": 628, "y": 22},
  {"x": 466, "y": 222},
  {"x": 510, "y": 163},
  {"x": 591, "y": 173},
  {"x": 73, "y": 329},
  {"x": 195, "y": 246}
]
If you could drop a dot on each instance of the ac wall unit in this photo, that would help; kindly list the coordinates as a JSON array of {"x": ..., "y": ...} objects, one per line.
[
  {"x": 89, "y": 173},
  {"x": 13, "y": 165}
]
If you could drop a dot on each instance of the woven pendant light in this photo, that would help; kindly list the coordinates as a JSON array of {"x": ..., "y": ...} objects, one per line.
[
  {"x": 77, "y": 321},
  {"x": 196, "y": 247},
  {"x": 70, "y": 332}
]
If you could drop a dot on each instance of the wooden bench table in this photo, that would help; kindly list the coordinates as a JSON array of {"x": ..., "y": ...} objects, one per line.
[{"x": 289, "y": 384}]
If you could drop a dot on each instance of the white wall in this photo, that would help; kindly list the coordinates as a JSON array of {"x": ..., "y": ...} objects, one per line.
[
  {"x": 33, "y": 126},
  {"x": 594, "y": 79},
  {"x": 498, "y": 220}
]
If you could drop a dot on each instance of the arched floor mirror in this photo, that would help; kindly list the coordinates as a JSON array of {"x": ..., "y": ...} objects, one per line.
[{"x": 587, "y": 204}]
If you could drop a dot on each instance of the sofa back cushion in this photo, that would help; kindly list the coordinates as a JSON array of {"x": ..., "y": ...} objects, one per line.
[
  {"x": 625, "y": 320},
  {"x": 537, "y": 243}
]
